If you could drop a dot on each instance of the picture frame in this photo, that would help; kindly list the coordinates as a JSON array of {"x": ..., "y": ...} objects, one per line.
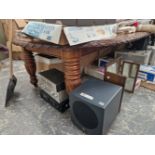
[
  {"x": 130, "y": 71},
  {"x": 126, "y": 69}
]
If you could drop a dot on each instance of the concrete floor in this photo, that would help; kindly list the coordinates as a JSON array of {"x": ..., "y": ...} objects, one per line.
[{"x": 30, "y": 115}]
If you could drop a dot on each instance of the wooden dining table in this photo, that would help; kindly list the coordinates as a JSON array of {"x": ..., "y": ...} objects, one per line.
[{"x": 70, "y": 55}]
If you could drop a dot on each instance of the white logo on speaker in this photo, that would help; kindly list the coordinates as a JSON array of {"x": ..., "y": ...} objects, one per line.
[
  {"x": 87, "y": 96},
  {"x": 101, "y": 103}
]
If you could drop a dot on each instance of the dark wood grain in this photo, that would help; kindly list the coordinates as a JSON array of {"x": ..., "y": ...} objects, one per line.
[
  {"x": 72, "y": 69},
  {"x": 116, "y": 79},
  {"x": 30, "y": 66},
  {"x": 119, "y": 39}
]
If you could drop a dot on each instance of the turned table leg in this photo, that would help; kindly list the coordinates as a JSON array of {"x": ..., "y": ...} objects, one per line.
[
  {"x": 72, "y": 72},
  {"x": 30, "y": 66}
]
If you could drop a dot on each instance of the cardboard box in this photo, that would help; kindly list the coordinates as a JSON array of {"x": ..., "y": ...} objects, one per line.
[
  {"x": 47, "y": 62},
  {"x": 17, "y": 24},
  {"x": 94, "y": 71},
  {"x": 16, "y": 55},
  {"x": 21, "y": 23},
  {"x": 147, "y": 85},
  {"x": 16, "y": 51},
  {"x": 16, "y": 48},
  {"x": 140, "y": 57},
  {"x": 102, "y": 62},
  {"x": 147, "y": 73}
]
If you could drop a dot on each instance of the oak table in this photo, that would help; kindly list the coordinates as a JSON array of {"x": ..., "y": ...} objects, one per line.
[{"x": 69, "y": 54}]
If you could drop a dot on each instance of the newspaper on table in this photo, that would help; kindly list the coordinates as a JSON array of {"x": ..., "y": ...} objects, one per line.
[
  {"x": 43, "y": 31},
  {"x": 78, "y": 35}
]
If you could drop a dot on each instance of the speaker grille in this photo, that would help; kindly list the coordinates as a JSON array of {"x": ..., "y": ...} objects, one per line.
[{"x": 85, "y": 115}]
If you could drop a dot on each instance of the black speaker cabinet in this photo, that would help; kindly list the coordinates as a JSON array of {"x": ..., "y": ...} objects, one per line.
[{"x": 94, "y": 105}]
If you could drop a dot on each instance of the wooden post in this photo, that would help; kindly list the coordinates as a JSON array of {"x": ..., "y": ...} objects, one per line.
[{"x": 72, "y": 69}]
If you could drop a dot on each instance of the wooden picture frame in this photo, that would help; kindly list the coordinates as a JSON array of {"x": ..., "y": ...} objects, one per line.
[
  {"x": 116, "y": 79},
  {"x": 131, "y": 74},
  {"x": 119, "y": 71}
]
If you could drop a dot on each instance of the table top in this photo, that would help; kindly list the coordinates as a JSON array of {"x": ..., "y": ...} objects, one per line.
[{"x": 28, "y": 42}]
